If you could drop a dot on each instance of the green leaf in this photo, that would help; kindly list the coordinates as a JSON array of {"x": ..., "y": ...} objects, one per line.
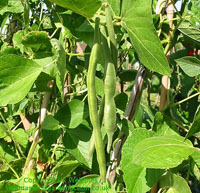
[
  {"x": 195, "y": 127},
  {"x": 72, "y": 114},
  {"x": 50, "y": 130},
  {"x": 121, "y": 101},
  {"x": 115, "y": 6},
  {"x": 99, "y": 86},
  {"x": 64, "y": 168},
  {"x": 194, "y": 7},
  {"x": 85, "y": 8},
  {"x": 190, "y": 30},
  {"x": 17, "y": 39},
  {"x": 87, "y": 181},
  {"x": 174, "y": 183},
  {"x": 21, "y": 137},
  {"x": 3, "y": 3},
  {"x": 49, "y": 65},
  {"x": 14, "y": 6},
  {"x": 3, "y": 131},
  {"x": 42, "y": 82},
  {"x": 38, "y": 41},
  {"x": 162, "y": 152},
  {"x": 190, "y": 65},
  {"x": 127, "y": 75},
  {"x": 59, "y": 52},
  {"x": 77, "y": 143},
  {"x": 137, "y": 20},
  {"x": 137, "y": 178},
  {"x": 17, "y": 75},
  {"x": 163, "y": 125},
  {"x": 6, "y": 152}
]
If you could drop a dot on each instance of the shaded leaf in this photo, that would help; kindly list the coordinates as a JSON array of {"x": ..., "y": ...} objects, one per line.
[
  {"x": 127, "y": 75},
  {"x": 163, "y": 125},
  {"x": 77, "y": 142},
  {"x": 50, "y": 130},
  {"x": 3, "y": 3},
  {"x": 195, "y": 127},
  {"x": 71, "y": 115},
  {"x": 6, "y": 152},
  {"x": 121, "y": 101},
  {"x": 64, "y": 168}
]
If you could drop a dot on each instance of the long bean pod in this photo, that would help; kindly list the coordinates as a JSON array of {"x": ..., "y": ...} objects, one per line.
[
  {"x": 92, "y": 101},
  {"x": 110, "y": 107}
]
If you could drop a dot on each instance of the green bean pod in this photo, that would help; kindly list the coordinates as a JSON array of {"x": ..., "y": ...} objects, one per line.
[
  {"x": 110, "y": 107},
  {"x": 92, "y": 102}
]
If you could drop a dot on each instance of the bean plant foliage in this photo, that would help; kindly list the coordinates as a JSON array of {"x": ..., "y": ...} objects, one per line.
[{"x": 99, "y": 96}]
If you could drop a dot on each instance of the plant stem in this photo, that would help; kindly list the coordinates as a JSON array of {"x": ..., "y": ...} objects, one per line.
[
  {"x": 165, "y": 79},
  {"x": 13, "y": 170},
  {"x": 36, "y": 138},
  {"x": 184, "y": 100}
]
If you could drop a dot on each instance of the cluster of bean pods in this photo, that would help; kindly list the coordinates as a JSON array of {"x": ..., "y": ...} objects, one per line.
[{"x": 109, "y": 107}]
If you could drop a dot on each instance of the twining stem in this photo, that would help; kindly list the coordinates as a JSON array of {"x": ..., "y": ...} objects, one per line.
[
  {"x": 165, "y": 79},
  {"x": 130, "y": 113},
  {"x": 36, "y": 138}
]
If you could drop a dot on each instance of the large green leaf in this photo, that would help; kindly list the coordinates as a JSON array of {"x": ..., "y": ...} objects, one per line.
[
  {"x": 137, "y": 178},
  {"x": 71, "y": 115},
  {"x": 174, "y": 184},
  {"x": 137, "y": 20},
  {"x": 162, "y": 152},
  {"x": 17, "y": 75},
  {"x": 190, "y": 65},
  {"x": 195, "y": 127},
  {"x": 85, "y": 8}
]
